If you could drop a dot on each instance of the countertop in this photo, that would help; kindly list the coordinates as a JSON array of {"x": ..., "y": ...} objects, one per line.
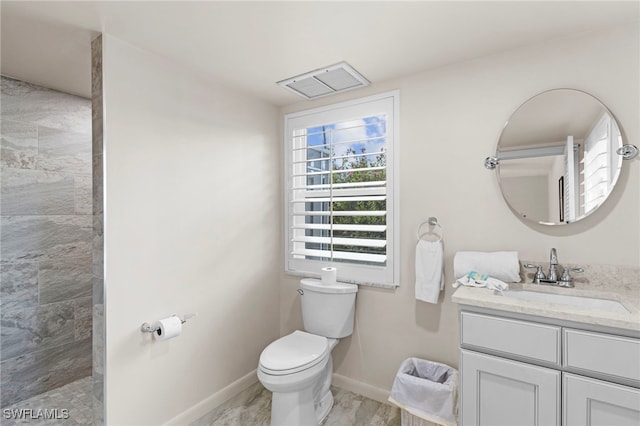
[{"x": 485, "y": 298}]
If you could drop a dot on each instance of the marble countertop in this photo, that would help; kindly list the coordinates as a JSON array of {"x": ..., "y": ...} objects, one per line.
[{"x": 485, "y": 298}]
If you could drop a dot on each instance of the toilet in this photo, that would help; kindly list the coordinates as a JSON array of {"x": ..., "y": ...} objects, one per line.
[{"x": 297, "y": 368}]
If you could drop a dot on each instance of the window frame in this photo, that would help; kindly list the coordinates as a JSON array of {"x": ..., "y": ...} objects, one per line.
[{"x": 374, "y": 275}]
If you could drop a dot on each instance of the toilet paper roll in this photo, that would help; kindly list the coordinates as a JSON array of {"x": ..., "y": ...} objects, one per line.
[
  {"x": 328, "y": 275},
  {"x": 168, "y": 328}
]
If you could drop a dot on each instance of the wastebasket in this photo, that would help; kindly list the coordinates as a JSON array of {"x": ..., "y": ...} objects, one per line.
[{"x": 427, "y": 393}]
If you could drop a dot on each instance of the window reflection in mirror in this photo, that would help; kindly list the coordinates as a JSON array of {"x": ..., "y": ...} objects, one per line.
[{"x": 558, "y": 160}]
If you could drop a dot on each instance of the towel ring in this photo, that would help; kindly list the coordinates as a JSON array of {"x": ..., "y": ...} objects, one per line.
[{"x": 433, "y": 222}]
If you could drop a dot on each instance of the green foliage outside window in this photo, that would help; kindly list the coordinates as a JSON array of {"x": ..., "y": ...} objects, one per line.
[{"x": 362, "y": 161}]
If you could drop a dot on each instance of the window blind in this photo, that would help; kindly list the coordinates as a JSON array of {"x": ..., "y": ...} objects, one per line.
[
  {"x": 340, "y": 192},
  {"x": 597, "y": 173}
]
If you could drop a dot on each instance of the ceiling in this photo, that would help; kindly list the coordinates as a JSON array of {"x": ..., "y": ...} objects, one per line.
[
  {"x": 548, "y": 118},
  {"x": 252, "y": 45}
]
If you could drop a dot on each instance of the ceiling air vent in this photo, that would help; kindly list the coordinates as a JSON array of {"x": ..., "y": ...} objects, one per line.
[{"x": 325, "y": 81}]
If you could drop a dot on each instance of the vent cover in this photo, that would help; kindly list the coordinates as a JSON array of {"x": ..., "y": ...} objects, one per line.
[{"x": 325, "y": 81}]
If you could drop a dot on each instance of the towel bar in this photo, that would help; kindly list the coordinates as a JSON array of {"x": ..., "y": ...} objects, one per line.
[{"x": 433, "y": 222}]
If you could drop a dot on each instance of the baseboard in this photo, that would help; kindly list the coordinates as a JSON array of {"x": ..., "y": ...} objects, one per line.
[
  {"x": 228, "y": 392},
  {"x": 364, "y": 389},
  {"x": 208, "y": 404}
]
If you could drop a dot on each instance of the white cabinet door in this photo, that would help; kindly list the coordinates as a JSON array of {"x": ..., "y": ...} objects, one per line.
[
  {"x": 501, "y": 392},
  {"x": 590, "y": 402}
]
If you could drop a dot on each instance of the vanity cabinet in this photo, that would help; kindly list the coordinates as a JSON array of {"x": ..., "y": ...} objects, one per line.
[
  {"x": 594, "y": 402},
  {"x": 502, "y": 392},
  {"x": 527, "y": 372}
]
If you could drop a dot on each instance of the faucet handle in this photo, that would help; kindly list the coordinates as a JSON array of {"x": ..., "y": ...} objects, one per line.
[
  {"x": 566, "y": 280},
  {"x": 539, "y": 275},
  {"x": 567, "y": 272}
]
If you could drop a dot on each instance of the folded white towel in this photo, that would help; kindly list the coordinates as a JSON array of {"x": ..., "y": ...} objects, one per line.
[
  {"x": 503, "y": 265},
  {"x": 429, "y": 270}
]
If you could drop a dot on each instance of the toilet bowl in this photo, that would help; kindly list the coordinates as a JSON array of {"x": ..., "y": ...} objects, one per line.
[{"x": 297, "y": 369}]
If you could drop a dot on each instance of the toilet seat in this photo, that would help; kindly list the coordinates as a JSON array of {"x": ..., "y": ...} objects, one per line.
[{"x": 293, "y": 353}]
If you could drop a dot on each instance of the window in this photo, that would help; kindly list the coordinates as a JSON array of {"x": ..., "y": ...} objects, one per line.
[
  {"x": 341, "y": 196},
  {"x": 600, "y": 166}
]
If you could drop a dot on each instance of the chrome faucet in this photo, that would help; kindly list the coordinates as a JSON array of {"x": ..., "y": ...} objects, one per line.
[
  {"x": 553, "y": 266},
  {"x": 566, "y": 280}
]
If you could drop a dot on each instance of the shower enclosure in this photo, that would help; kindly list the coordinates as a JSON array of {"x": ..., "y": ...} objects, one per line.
[{"x": 50, "y": 256}]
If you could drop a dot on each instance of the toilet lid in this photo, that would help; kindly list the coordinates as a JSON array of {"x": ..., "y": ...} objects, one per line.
[{"x": 295, "y": 352}]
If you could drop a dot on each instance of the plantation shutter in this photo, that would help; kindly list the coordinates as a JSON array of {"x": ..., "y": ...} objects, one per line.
[
  {"x": 340, "y": 191},
  {"x": 599, "y": 165}
]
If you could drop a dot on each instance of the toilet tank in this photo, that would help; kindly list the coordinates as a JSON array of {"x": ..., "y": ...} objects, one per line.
[{"x": 328, "y": 310}]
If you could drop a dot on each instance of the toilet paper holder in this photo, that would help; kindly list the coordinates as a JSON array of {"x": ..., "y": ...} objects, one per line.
[{"x": 148, "y": 328}]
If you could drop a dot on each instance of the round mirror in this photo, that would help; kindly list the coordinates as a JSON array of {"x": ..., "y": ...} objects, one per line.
[{"x": 557, "y": 160}]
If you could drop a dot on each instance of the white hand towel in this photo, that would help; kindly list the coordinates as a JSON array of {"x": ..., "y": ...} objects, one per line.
[
  {"x": 429, "y": 270},
  {"x": 503, "y": 265}
]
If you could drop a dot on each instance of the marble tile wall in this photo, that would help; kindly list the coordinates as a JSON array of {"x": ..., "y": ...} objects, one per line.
[
  {"x": 46, "y": 233},
  {"x": 98, "y": 234}
]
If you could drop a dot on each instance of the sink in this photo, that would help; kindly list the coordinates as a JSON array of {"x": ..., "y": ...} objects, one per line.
[{"x": 565, "y": 299}]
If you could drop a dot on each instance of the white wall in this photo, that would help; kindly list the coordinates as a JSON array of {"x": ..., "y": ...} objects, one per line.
[
  {"x": 451, "y": 119},
  {"x": 194, "y": 177},
  {"x": 191, "y": 224}
]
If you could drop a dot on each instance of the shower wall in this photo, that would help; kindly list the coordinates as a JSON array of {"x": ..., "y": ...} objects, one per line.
[
  {"x": 45, "y": 240},
  {"x": 98, "y": 232}
]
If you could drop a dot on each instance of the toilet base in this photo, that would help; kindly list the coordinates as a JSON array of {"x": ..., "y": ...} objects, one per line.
[
  {"x": 293, "y": 408},
  {"x": 298, "y": 409},
  {"x": 302, "y": 399},
  {"x": 323, "y": 408}
]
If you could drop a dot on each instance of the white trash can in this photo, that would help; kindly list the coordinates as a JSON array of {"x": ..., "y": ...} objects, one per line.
[{"x": 427, "y": 393}]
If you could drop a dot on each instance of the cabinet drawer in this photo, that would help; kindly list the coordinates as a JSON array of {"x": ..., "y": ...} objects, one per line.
[
  {"x": 615, "y": 357},
  {"x": 518, "y": 339}
]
